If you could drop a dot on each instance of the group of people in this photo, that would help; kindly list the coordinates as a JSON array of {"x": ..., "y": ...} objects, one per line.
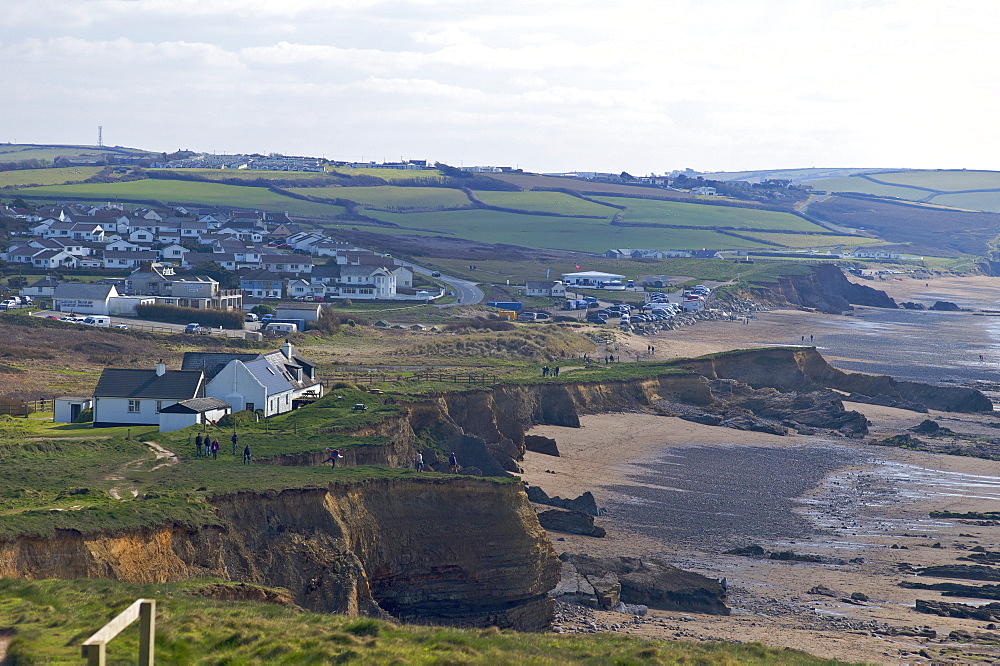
[
  {"x": 209, "y": 446},
  {"x": 554, "y": 371},
  {"x": 452, "y": 462}
]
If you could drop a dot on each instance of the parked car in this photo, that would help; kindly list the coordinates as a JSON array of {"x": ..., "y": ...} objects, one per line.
[
  {"x": 192, "y": 328},
  {"x": 122, "y": 326},
  {"x": 436, "y": 274},
  {"x": 251, "y": 316}
]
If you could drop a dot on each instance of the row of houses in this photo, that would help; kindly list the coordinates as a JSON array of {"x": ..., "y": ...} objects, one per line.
[{"x": 207, "y": 386}]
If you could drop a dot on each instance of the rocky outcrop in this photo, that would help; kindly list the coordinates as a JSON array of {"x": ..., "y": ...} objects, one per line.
[
  {"x": 985, "y": 613},
  {"x": 826, "y": 289},
  {"x": 607, "y": 581},
  {"x": 434, "y": 550},
  {"x": 572, "y": 522},
  {"x": 585, "y": 502},
  {"x": 539, "y": 444}
]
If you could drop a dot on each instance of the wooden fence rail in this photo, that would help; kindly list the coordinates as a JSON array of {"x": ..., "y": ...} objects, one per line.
[{"x": 144, "y": 610}]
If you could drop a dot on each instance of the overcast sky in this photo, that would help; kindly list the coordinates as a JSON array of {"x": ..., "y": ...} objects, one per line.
[{"x": 548, "y": 85}]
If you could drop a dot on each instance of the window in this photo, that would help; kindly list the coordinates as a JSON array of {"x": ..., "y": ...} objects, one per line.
[
  {"x": 249, "y": 406},
  {"x": 159, "y": 406},
  {"x": 134, "y": 406}
]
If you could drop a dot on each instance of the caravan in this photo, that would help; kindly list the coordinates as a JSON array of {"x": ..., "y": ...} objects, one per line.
[{"x": 97, "y": 320}]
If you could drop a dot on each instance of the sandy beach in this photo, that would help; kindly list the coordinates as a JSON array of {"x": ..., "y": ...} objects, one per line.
[{"x": 688, "y": 492}]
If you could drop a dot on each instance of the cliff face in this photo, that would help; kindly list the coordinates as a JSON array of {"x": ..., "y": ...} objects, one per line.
[
  {"x": 827, "y": 289},
  {"x": 443, "y": 550}
]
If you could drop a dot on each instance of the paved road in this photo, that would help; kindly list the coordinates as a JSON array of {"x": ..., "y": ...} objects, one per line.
[{"x": 468, "y": 293}]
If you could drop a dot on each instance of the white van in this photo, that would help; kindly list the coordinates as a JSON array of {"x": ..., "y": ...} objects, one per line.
[{"x": 98, "y": 320}]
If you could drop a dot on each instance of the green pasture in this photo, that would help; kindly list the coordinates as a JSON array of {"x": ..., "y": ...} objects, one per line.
[
  {"x": 580, "y": 234},
  {"x": 185, "y": 192},
  {"x": 390, "y": 174},
  {"x": 648, "y": 211},
  {"x": 46, "y": 176},
  {"x": 867, "y": 187},
  {"x": 16, "y": 153},
  {"x": 984, "y": 201},
  {"x": 944, "y": 181},
  {"x": 391, "y": 196},
  {"x": 807, "y": 174},
  {"x": 802, "y": 241},
  {"x": 545, "y": 202}
]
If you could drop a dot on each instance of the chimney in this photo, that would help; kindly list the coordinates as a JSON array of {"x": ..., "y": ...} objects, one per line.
[
  {"x": 287, "y": 350},
  {"x": 161, "y": 368}
]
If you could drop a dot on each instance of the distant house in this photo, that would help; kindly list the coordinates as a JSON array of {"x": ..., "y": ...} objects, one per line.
[
  {"x": 261, "y": 284},
  {"x": 127, "y": 258},
  {"x": 44, "y": 287},
  {"x": 303, "y": 311},
  {"x": 551, "y": 288},
  {"x": 136, "y": 397}
]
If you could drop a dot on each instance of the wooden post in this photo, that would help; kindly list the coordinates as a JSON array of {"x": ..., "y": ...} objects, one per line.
[{"x": 147, "y": 632}]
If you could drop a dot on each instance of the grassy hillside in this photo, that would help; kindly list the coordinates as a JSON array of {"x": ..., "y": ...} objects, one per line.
[
  {"x": 644, "y": 211},
  {"x": 46, "y": 176},
  {"x": 391, "y": 174},
  {"x": 48, "y": 153},
  {"x": 392, "y": 197},
  {"x": 567, "y": 233},
  {"x": 972, "y": 190},
  {"x": 50, "y": 619},
  {"x": 183, "y": 192},
  {"x": 546, "y": 202},
  {"x": 930, "y": 230}
]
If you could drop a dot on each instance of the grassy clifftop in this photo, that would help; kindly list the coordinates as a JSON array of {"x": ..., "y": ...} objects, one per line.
[{"x": 48, "y": 621}]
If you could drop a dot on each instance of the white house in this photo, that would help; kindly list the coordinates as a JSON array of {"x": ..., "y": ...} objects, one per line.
[
  {"x": 136, "y": 397},
  {"x": 553, "y": 288},
  {"x": 276, "y": 382},
  {"x": 44, "y": 287}
]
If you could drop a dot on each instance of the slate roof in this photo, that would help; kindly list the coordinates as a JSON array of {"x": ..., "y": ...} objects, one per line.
[
  {"x": 273, "y": 379},
  {"x": 211, "y": 363},
  {"x": 195, "y": 406},
  {"x": 47, "y": 281},
  {"x": 131, "y": 383},
  {"x": 89, "y": 292}
]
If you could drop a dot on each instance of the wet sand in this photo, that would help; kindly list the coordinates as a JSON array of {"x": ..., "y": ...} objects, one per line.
[{"x": 688, "y": 492}]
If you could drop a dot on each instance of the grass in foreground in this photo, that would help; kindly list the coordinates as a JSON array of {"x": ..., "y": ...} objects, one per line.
[{"x": 50, "y": 619}]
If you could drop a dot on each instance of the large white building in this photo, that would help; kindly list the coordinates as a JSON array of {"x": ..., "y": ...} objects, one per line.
[{"x": 126, "y": 396}]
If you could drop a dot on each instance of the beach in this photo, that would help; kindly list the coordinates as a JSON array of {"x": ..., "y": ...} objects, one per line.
[{"x": 688, "y": 492}]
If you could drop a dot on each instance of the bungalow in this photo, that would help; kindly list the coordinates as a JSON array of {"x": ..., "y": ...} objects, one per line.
[
  {"x": 53, "y": 259},
  {"x": 136, "y": 397},
  {"x": 553, "y": 288},
  {"x": 113, "y": 259},
  {"x": 173, "y": 252},
  {"x": 296, "y": 264}
]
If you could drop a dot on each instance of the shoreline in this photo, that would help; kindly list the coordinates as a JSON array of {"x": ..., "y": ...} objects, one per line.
[{"x": 843, "y": 500}]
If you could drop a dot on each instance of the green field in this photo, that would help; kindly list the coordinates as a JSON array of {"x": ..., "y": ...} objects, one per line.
[
  {"x": 944, "y": 181},
  {"x": 545, "y": 202},
  {"x": 185, "y": 192},
  {"x": 391, "y": 196},
  {"x": 810, "y": 240},
  {"x": 46, "y": 176},
  {"x": 390, "y": 174},
  {"x": 985, "y": 201},
  {"x": 867, "y": 187},
  {"x": 580, "y": 234},
  {"x": 803, "y": 175},
  {"x": 646, "y": 211}
]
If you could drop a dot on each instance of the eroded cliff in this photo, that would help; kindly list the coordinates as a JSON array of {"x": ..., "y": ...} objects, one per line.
[{"x": 455, "y": 551}]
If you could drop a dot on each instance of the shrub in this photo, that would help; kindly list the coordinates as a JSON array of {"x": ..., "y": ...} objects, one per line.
[
  {"x": 172, "y": 314},
  {"x": 241, "y": 417},
  {"x": 480, "y": 324},
  {"x": 86, "y": 416}
]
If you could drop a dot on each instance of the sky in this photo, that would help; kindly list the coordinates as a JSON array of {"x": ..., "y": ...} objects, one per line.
[{"x": 545, "y": 85}]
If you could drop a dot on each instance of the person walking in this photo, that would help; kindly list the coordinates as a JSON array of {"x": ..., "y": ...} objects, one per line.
[
  {"x": 334, "y": 455},
  {"x": 453, "y": 463},
  {"x": 419, "y": 461},
  {"x": 198, "y": 444},
  {"x": 215, "y": 449},
  {"x": 246, "y": 454},
  {"x": 236, "y": 440}
]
